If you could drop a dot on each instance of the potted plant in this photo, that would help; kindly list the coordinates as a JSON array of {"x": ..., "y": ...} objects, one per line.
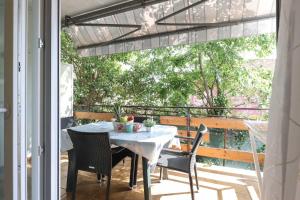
[
  {"x": 118, "y": 112},
  {"x": 149, "y": 123},
  {"x": 122, "y": 122}
]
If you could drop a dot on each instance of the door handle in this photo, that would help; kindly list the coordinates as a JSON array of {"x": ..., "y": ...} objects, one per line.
[{"x": 3, "y": 110}]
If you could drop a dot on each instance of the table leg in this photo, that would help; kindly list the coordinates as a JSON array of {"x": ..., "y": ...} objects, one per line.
[
  {"x": 147, "y": 179},
  {"x": 256, "y": 162}
]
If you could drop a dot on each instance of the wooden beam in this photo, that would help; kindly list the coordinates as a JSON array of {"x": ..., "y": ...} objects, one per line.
[
  {"x": 210, "y": 122},
  {"x": 94, "y": 116},
  {"x": 173, "y": 120},
  {"x": 227, "y": 154},
  {"x": 218, "y": 122}
]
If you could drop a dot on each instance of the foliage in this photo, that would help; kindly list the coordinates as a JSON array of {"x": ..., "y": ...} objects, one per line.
[
  {"x": 149, "y": 123},
  {"x": 97, "y": 79},
  {"x": 213, "y": 72},
  {"x": 222, "y": 73},
  {"x": 118, "y": 111}
]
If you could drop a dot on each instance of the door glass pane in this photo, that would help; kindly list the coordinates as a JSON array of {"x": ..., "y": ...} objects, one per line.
[
  {"x": 1, "y": 96},
  {"x": 32, "y": 102},
  {"x": 29, "y": 97}
]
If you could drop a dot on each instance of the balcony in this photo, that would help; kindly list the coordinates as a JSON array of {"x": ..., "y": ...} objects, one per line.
[{"x": 216, "y": 182}]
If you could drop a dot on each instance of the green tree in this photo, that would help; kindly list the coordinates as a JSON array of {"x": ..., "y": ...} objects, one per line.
[
  {"x": 97, "y": 79},
  {"x": 213, "y": 71},
  {"x": 222, "y": 74}
]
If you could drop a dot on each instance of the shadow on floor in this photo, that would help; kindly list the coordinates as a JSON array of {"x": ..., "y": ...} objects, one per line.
[{"x": 215, "y": 184}]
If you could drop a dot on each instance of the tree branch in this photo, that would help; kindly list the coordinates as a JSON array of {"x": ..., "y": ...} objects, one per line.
[
  {"x": 215, "y": 73},
  {"x": 208, "y": 98}
]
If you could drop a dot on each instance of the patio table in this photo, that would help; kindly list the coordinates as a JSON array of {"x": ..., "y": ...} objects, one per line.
[{"x": 145, "y": 144}]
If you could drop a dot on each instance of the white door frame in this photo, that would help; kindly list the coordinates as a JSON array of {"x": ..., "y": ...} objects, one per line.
[
  {"x": 51, "y": 99},
  {"x": 45, "y": 141},
  {"x": 49, "y": 122},
  {"x": 21, "y": 105},
  {"x": 37, "y": 108},
  {"x": 10, "y": 100}
]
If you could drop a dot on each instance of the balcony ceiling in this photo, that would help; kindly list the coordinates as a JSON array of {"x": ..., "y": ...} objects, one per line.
[{"x": 113, "y": 26}]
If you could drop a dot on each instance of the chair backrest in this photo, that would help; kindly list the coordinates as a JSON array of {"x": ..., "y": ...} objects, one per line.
[
  {"x": 67, "y": 122},
  {"x": 201, "y": 130},
  {"x": 92, "y": 151}
]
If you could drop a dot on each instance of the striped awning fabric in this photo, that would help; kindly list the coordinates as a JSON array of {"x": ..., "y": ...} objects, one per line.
[{"x": 174, "y": 22}]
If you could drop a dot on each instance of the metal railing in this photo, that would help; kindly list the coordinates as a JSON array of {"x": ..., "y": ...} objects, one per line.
[
  {"x": 187, "y": 111},
  {"x": 185, "y": 119}
]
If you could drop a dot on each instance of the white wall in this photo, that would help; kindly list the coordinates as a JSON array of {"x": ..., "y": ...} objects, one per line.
[{"x": 66, "y": 90}]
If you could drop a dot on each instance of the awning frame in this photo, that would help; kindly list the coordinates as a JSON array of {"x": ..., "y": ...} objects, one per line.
[
  {"x": 135, "y": 26},
  {"x": 89, "y": 42},
  {"x": 159, "y": 21},
  {"x": 201, "y": 26},
  {"x": 108, "y": 11}
]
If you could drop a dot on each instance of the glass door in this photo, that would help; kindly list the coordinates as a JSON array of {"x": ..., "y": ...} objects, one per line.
[
  {"x": 29, "y": 120},
  {"x": 41, "y": 99},
  {"x": 33, "y": 99},
  {"x": 9, "y": 38}
]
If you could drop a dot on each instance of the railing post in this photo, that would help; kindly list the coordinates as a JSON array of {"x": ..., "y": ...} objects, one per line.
[
  {"x": 225, "y": 140},
  {"x": 146, "y": 112},
  {"x": 188, "y": 125}
]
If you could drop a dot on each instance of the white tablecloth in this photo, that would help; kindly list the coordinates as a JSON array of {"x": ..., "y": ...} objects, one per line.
[{"x": 146, "y": 144}]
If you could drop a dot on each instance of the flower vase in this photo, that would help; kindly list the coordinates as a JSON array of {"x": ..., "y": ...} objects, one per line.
[
  {"x": 129, "y": 127},
  {"x": 148, "y": 129}
]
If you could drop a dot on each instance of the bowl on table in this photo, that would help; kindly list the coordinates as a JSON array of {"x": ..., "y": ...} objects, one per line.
[
  {"x": 137, "y": 127},
  {"x": 127, "y": 127},
  {"x": 119, "y": 126}
]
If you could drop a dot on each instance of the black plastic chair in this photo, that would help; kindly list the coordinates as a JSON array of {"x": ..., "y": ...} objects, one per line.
[
  {"x": 183, "y": 161},
  {"x": 67, "y": 122},
  {"x": 93, "y": 153}
]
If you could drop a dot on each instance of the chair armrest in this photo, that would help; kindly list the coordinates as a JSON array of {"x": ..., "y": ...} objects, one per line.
[
  {"x": 184, "y": 138},
  {"x": 116, "y": 150},
  {"x": 176, "y": 152}
]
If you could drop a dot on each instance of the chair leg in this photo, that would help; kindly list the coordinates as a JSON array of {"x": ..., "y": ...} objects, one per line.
[
  {"x": 160, "y": 173},
  {"x": 74, "y": 185},
  {"x": 99, "y": 178},
  {"x": 196, "y": 176},
  {"x": 136, "y": 169},
  {"x": 108, "y": 187},
  {"x": 191, "y": 185}
]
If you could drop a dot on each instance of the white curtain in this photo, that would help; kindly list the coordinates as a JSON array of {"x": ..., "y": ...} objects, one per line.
[{"x": 282, "y": 166}]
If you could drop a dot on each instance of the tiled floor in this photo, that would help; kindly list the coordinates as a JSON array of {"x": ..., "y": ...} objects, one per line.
[{"x": 216, "y": 183}]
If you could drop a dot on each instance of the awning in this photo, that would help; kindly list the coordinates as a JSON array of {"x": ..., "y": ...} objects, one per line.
[{"x": 108, "y": 27}]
